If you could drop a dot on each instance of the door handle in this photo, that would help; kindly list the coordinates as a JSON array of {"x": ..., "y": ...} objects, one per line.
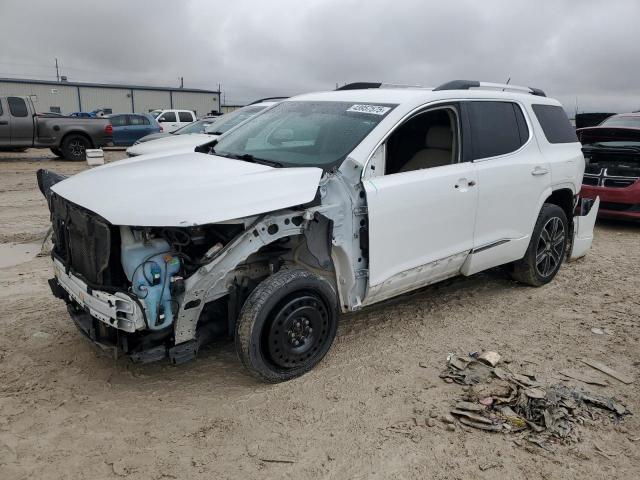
[{"x": 539, "y": 171}]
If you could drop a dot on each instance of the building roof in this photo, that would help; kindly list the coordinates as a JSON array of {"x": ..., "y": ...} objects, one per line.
[{"x": 105, "y": 85}]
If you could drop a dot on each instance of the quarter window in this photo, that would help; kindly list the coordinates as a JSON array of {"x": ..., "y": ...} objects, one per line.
[
  {"x": 497, "y": 128},
  {"x": 119, "y": 120},
  {"x": 555, "y": 124},
  {"x": 138, "y": 120},
  {"x": 185, "y": 116},
  {"x": 17, "y": 106}
]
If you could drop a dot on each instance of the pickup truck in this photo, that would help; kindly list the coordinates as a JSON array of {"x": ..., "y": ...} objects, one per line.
[{"x": 67, "y": 137}]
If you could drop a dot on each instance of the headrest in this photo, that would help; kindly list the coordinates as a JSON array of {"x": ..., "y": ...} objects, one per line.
[{"x": 439, "y": 137}]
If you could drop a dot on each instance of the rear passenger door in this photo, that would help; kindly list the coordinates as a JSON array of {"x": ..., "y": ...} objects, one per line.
[
  {"x": 5, "y": 128},
  {"x": 185, "y": 118},
  {"x": 513, "y": 179},
  {"x": 139, "y": 126}
]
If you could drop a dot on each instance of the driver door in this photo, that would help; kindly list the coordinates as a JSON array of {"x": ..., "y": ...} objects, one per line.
[{"x": 421, "y": 221}]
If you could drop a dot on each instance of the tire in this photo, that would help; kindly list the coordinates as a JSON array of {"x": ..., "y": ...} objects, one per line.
[
  {"x": 57, "y": 152},
  {"x": 287, "y": 325},
  {"x": 546, "y": 250},
  {"x": 74, "y": 147}
]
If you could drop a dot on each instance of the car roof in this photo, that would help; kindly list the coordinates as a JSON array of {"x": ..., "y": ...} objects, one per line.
[{"x": 414, "y": 95}]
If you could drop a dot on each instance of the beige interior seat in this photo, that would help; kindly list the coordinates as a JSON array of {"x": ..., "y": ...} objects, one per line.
[{"x": 438, "y": 150}]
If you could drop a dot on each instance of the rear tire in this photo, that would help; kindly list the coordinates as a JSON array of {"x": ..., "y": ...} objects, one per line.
[
  {"x": 74, "y": 147},
  {"x": 546, "y": 250},
  {"x": 287, "y": 325},
  {"x": 57, "y": 152}
]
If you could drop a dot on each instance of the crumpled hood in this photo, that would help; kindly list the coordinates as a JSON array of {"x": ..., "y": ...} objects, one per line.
[
  {"x": 171, "y": 144},
  {"x": 187, "y": 189}
]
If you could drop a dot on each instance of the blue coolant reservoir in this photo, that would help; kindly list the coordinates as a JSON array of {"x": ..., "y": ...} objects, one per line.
[{"x": 149, "y": 266}]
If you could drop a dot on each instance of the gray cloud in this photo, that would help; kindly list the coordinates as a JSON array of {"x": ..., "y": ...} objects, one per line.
[{"x": 583, "y": 50}]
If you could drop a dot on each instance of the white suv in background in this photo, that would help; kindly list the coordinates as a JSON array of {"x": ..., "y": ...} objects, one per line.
[
  {"x": 171, "y": 120},
  {"x": 325, "y": 203}
]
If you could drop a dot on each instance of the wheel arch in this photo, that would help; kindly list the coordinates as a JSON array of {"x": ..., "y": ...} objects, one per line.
[
  {"x": 76, "y": 132},
  {"x": 563, "y": 198}
]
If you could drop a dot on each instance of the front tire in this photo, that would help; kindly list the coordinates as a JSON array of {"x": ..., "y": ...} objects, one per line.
[
  {"x": 74, "y": 147},
  {"x": 57, "y": 152},
  {"x": 546, "y": 250},
  {"x": 287, "y": 325}
]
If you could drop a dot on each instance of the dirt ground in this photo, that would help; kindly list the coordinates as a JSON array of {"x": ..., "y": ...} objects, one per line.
[{"x": 68, "y": 412}]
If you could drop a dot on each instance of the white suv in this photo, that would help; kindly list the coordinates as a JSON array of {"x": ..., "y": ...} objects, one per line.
[
  {"x": 171, "y": 120},
  {"x": 324, "y": 203}
]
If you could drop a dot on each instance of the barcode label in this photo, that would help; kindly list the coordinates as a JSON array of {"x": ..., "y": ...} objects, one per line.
[{"x": 372, "y": 109}]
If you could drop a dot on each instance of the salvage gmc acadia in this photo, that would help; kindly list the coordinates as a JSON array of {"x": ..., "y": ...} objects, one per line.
[{"x": 323, "y": 203}]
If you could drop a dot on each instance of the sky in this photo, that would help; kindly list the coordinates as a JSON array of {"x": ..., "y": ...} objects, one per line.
[{"x": 584, "y": 53}]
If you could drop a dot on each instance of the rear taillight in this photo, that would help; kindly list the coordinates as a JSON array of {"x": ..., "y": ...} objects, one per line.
[
  {"x": 108, "y": 130},
  {"x": 161, "y": 130}
]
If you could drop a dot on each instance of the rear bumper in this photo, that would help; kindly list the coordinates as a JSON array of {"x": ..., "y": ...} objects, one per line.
[{"x": 621, "y": 203}]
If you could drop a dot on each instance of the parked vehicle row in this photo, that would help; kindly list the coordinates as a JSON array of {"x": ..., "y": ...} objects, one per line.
[
  {"x": 68, "y": 137},
  {"x": 323, "y": 203}
]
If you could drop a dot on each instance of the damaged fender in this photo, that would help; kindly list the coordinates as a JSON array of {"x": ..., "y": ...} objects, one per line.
[{"x": 583, "y": 230}]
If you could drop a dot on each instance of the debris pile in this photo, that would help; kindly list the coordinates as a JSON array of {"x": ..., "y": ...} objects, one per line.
[{"x": 499, "y": 400}]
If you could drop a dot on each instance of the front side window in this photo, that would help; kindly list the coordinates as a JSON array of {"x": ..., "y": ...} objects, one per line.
[
  {"x": 17, "y": 106},
  {"x": 427, "y": 140},
  {"x": 303, "y": 133},
  {"x": 168, "y": 117},
  {"x": 555, "y": 124},
  {"x": 185, "y": 116},
  {"x": 496, "y": 128}
]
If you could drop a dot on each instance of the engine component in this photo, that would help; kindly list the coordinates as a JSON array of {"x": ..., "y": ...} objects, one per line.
[{"x": 150, "y": 266}]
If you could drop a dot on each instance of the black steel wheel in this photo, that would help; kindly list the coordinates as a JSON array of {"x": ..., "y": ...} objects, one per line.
[
  {"x": 287, "y": 325},
  {"x": 547, "y": 248},
  {"x": 74, "y": 147}
]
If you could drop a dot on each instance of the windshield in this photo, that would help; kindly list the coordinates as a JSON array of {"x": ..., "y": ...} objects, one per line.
[
  {"x": 294, "y": 133},
  {"x": 622, "y": 121},
  {"x": 194, "y": 127},
  {"x": 230, "y": 120}
]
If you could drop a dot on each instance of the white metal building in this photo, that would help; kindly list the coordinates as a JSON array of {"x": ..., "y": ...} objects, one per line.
[{"x": 67, "y": 97}]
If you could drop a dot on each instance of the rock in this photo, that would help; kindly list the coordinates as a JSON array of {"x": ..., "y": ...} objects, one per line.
[
  {"x": 447, "y": 419},
  {"x": 450, "y": 427},
  {"x": 490, "y": 358},
  {"x": 41, "y": 335},
  {"x": 431, "y": 422},
  {"x": 597, "y": 331},
  {"x": 433, "y": 414}
]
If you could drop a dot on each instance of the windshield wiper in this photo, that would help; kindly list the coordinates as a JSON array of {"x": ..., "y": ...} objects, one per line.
[
  {"x": 250, "y": 158},
  {"x": 215, "y": 133}
]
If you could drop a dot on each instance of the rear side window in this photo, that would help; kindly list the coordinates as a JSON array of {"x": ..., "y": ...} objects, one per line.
[
  {"x": 138, "y": 120},
  {"x": 555, "y": 124},
  {"x": 185, "y": 116},
  {"x": 119, "y": 121},
  {"x": 497, "y": 128},
  {"x": 168, "y": 117},
  {"x": 17, "y": 107}
]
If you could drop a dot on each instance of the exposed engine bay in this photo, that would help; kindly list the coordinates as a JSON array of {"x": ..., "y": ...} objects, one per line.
[{"x": 611, "y": 167}]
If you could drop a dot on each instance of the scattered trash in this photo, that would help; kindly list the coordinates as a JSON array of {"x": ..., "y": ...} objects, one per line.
[
  {"x": 490, "y": 358},
  {"x": 583, "y": 377},
  {"x": 597, "y": 331},
  {"x": 609, "y": 371},
  {"x": 499, "y": 400}
]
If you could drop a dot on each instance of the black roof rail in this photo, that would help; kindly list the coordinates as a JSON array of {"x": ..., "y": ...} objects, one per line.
[
  {"x": 267, "y": 99},
  {"x": 359, "y": 85},
  {"x": 467, "y": 84}
]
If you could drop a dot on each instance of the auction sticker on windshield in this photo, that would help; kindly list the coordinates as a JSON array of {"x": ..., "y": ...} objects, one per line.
[{"x": 372, "y": 109}]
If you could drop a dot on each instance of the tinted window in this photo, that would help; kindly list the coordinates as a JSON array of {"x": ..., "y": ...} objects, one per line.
[
  {"x": 555, "y": 124},
  {"x": 168, "y": 117},
  {"x": 622, "y": 121},
  {"x": 138, "y": 120},
  {"x": 1, "y": 112},
  {"x": 118, "y": 120},
  {"x": 17, "y": 107},
  {"x": 55, "y": 109},
  {"x": 185, "y": 116},
  {"x": 497, "y": 128}
]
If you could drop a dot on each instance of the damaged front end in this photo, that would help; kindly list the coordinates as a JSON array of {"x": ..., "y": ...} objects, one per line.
[{"x": 157, "y": 292}]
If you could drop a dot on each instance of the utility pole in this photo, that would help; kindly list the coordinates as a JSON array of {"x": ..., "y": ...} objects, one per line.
[
  {"x": 181, "y": 82},
  {"x": 57, "y": 72}
]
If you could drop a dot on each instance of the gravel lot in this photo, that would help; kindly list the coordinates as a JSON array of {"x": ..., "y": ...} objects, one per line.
[{"x": 68, "y": 412}]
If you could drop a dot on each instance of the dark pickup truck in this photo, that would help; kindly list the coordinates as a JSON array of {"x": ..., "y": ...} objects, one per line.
[{"x": 67, "y": 137}]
